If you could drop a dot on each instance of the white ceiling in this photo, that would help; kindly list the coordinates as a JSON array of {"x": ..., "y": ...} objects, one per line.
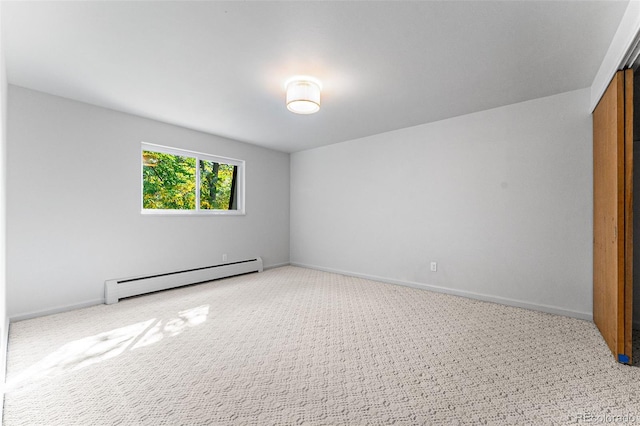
[{"x": 219, "y": 67}]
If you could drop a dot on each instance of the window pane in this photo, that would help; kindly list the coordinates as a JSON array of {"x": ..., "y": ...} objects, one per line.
[
  {"x": 217, "y": 186},
  {"x": 168, "y": 181}
]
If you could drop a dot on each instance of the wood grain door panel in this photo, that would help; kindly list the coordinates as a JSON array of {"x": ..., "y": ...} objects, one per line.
[{"x": 613, "y": 217}]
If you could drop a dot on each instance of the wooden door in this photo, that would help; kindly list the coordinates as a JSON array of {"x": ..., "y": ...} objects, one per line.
[{"x": 613, "y": 215}]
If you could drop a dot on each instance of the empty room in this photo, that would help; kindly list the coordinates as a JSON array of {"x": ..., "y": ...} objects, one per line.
[{"x": 319, "y": 212}]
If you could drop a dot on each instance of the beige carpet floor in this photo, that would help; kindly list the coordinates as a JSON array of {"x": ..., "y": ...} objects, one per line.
[{"x": 293, "y": 346}]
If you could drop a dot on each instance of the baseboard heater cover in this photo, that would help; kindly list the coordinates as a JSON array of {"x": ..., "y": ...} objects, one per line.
[{"x": 117, "y": 289}]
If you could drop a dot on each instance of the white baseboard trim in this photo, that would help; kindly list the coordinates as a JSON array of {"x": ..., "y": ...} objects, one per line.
[
  {"x": 277, "y": 265},
  {"x": 86, "y": 304},
  {"x": 56, "y": 310},
  {"x": 463, "y": 293}
]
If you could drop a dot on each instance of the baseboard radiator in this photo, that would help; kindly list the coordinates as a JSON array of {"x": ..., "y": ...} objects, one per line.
[{"x": 117, "y": 289}]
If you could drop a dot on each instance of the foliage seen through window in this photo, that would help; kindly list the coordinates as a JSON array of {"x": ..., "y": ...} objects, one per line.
[{"x": 169, "y": 183}]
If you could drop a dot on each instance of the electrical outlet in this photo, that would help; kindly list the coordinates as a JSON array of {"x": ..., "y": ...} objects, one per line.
[
  {"x": 434, "y": 266},
  {"x": 224, "y": 257}
]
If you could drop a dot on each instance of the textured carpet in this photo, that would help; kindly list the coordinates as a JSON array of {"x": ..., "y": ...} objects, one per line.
[{"x": 297, "y": 346}]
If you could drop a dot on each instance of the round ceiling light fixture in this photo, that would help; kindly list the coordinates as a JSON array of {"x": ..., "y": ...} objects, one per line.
[{"x": 303, "y": 94}]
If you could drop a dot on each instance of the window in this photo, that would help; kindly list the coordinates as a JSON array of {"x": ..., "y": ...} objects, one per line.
[{"x": 176, "y": 181}]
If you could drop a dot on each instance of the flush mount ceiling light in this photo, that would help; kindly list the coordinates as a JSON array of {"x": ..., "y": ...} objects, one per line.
[{"x": 303, "y": 94}]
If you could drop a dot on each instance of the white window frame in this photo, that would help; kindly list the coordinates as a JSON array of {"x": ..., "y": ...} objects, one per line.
[{"x": 145, "y": 146}]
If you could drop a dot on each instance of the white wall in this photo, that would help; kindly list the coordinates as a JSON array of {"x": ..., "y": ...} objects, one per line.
[
  {"x": 4, "y": 323},
  {"x": 73, "y": 204},
  {"x": 501, "y": 199}
]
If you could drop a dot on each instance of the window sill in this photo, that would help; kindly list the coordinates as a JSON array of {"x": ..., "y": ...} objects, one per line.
[{"x": 191, "y": 213}]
